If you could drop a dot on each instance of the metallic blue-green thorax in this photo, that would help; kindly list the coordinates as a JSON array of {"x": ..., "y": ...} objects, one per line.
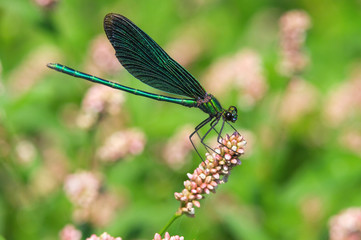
[{"x": 210, "y": 105}]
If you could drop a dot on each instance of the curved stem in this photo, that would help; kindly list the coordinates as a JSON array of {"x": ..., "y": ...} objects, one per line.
[{"x": 175, "y": 216}]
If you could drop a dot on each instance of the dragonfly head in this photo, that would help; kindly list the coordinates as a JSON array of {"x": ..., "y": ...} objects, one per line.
[{"x": 231, "y": 114}]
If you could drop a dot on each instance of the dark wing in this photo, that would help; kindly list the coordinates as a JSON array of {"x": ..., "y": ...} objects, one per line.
[{"x": 147, "y": 61}]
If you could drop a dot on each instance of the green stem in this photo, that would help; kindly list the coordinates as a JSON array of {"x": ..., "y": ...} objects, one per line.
[{"x": 175, "y": 216}]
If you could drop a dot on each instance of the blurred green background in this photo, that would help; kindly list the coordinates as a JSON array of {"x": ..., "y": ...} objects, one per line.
[{"x": 302, "y": 164}]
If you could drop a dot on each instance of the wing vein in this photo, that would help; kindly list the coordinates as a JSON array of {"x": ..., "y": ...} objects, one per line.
[{"x": 147, "y": 61}]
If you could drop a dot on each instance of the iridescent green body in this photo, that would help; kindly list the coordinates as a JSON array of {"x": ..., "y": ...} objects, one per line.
[
  {"x": 142, "y": 57},
  {"x": 211, "y": 106}
]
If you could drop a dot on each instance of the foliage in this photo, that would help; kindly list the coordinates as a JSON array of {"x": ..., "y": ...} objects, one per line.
[{"x": 302, "y": 164}]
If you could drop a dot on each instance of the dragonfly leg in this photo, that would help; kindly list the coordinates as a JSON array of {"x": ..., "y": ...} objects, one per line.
[
  {"x": 213, "y": 127},
  {"x": 233, "y": 129},
  {"x": 219, "y": 134},
  {"x": 202, "y": 138},
  {"x": 213, "y": 124},
  {"x": 199, "y": 126}
]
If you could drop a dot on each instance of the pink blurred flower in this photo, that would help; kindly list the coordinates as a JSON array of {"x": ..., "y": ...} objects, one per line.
[
  {"x": 251, "y": 140},
  {"x": 47, "y": 4},
  {"x": 102, "y": 211},
  {"x": 186, "y": 48},
  {"x": 104, "y": 236},
  {"x": 167, "y": 236},
  {"x": 25, "y": 151},
  {"x": 220, "y": 75},
  {"x": 312, "y": 209},
  {"x": 210, "y": 173},
  {"x": 346, "y": 225},
  {"x": 102, "y": 98},
  {"x": 122, "y": 143},
  {"x": 51, "y": 174},
  {"x": 293, "y": 27},
  {"x": 69, "y": 232},
  {"x": 44, "y": 182},
  {"x": 102, "y": 56},
  {"x": 351, "y": 139},
  {"x": 243, "y": 69},
  {"x": 344, "y": 101},
  {"x": 99, "y": 99},
  {"x": 82, "y": 188},
  {"x": 249, "y": 77},
  {"x": 299, "y": 99},
  {"x": 178, "y": 147},
  {"x": 30, "y": 70},
  {"x": 189, "y": 6}
]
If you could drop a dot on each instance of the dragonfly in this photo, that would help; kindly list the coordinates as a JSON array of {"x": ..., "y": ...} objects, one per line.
[{"x": 143, "y": 58}]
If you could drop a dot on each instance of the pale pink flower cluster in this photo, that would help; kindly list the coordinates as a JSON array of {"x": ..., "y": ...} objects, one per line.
[
  {"x": 102, "y": 211},
  {"x": 46, "y": 4},
  {"x": 344, "y": 101},
  {"x": 293, "y": 27},
  {"x": 51, "y": 174},
  {"x": 103, "y": 236},
  {"x": 195, "y": 5},
  {"x": 91, "y": 205},
  {"x": 69, "y": 232},
  {"x": 249, "y": 76},
  {"x": 82, "y": 188},
  {"x": 102, "y": 56},
  {"x": 185, "y": 49},
  {"x": 220, "y": 75},
  {"x": 245, "y": 70},
  {"x": 178, "y": 148},
  {"x": 211, "y": 172},
  {"x": 312, "y": 208},
  {"x": 99, "y": 99},
  {"x": 30, "y": 70},
  {"x": 346, "y": 225},
  {"x": 299, "y": 100},
  {"x": 167, "y": 236},
  {"x": 121, "y": 144},
  {"x": 351, "y": 139},
  {"x": 25, "y": 151}
]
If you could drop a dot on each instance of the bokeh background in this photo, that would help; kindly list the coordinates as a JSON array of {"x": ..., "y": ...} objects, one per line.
[{"x": 94, "y": 159}]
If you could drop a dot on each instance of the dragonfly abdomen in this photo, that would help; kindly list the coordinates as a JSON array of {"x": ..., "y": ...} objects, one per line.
[{"x": 78, "y": 74}]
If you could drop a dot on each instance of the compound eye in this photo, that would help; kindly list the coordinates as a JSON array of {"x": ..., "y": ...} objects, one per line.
[
  {"x": 234, "y": 118},
  {"x": 229, "y": 116}
]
